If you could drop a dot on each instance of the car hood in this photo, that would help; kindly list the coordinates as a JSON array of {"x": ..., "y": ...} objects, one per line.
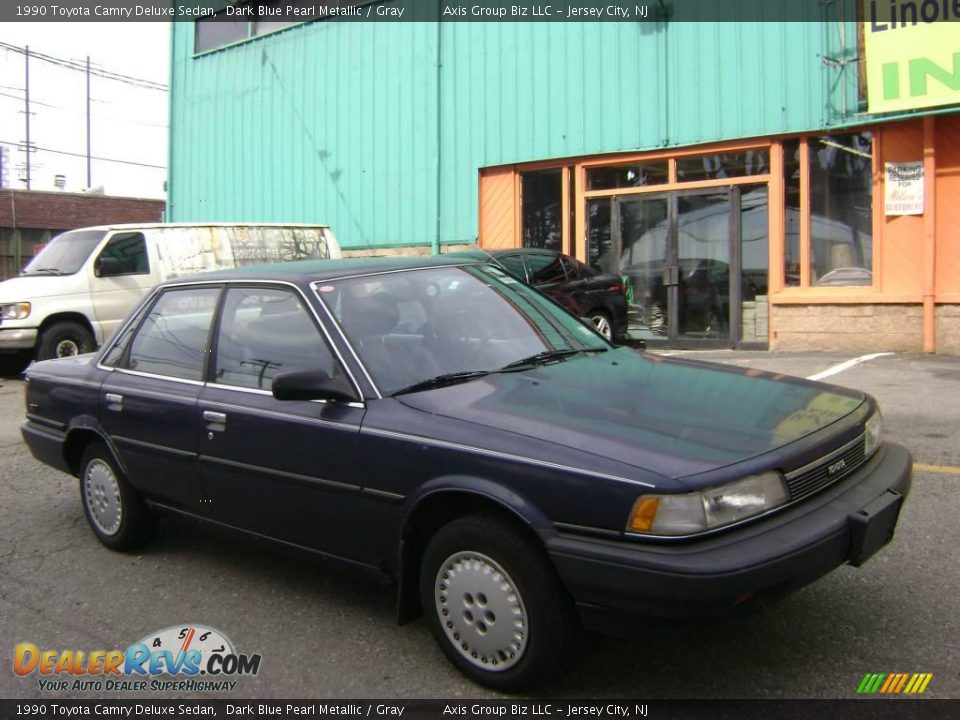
[
  {"x": 33, "y": 287},
  {"x": 674, "y": 417}
]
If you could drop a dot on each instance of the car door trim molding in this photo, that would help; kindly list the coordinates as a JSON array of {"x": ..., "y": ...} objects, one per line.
[
  {"x": 504, "y": 456},
  {"x": 305, "y": 479},
  {"x": 207, "y": 402},
  {"x": 122, "y": 439}
]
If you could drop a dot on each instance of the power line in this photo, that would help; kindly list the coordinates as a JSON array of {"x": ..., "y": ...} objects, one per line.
[
  {"x": 72, "y": 111},
  {"x": 83, "y": 155},
  {"x": 81, "y": 67}
]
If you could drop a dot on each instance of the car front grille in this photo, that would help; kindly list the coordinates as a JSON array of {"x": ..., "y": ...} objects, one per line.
[{"x": 822, "y": 473}]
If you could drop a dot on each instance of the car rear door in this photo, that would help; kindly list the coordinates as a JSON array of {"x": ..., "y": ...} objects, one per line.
[
  {"x": 148, "y": 401},
  {"x": 282, "y": 469}
]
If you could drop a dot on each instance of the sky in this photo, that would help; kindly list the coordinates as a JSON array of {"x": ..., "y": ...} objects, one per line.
[{"x": 128, "y": 123}]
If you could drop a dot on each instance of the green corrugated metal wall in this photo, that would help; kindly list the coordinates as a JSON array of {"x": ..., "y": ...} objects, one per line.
[{"x": 347, "y": 123}]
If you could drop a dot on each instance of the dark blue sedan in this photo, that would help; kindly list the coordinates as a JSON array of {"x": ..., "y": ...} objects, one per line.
[{"x": 439, "y": 423}]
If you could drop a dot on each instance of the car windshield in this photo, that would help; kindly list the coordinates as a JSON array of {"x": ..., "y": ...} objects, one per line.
[
  {"x": 412, "y": 328},
  {"x": 65, "y": 254}
]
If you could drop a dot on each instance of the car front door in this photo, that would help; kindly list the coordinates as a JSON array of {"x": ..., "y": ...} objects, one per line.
[
  {"x": 282, "y": 469},
  {"x": 547, "y": 274},
  {"x": 148, "y": 401},
  {"x": 122, "y": 275}
]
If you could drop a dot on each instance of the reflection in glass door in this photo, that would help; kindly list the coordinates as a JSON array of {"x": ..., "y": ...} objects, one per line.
[
  {"x": 694, "y": 263},
  {"x": 641, "y": 236},
  {"x": 702, "y": 241}
]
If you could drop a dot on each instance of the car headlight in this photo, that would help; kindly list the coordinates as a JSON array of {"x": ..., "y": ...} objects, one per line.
[
  {"x": 676, "y": 515},
  {"x": 15, "y": 311},
  {"x": 872, "y": 433}
]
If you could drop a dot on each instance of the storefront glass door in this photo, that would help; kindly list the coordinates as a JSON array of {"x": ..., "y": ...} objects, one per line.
[{"x": 679, "y": 254}]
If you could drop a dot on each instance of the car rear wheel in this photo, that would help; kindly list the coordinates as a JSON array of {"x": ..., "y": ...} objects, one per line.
[
  {"x": 601, "y": 322},
  {"x": 64, "y": 339},
  {"x": 496, "y": 607},
  {"x": 116, "y": 513}
]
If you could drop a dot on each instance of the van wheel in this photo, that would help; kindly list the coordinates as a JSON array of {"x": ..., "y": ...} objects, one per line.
[
  {"x": 65, "y": 339},
  {"x": 116, "y": 513},
  {"x": 496, "y": 607}
]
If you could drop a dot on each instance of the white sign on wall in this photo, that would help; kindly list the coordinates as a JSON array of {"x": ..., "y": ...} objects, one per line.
[{"x": 903, "y": 188}]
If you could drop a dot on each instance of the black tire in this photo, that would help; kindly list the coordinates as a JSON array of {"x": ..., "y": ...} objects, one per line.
[
  {"x": 480, "y": 552},
  {"x": 116, "y": 513},
  {"x": 64, "y": 339},
  {"x": 602, "y": 323}
]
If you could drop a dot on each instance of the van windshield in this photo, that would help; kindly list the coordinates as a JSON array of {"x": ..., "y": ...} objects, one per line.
[{"x": 65, "y": 254}]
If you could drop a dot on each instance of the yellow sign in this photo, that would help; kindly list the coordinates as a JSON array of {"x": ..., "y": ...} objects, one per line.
[{"x": 912, "y": 50}]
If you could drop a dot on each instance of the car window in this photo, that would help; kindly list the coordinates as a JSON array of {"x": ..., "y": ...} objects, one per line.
[
  {"x": 130, "y": 251},
  {"x": 571, "y": 267},
  {"x": 413, "y": 325},
  {"x": 265, "y": 331},
  {"x": 544, "y": 268},
  {"x": 172, "y": 339},
  {"x": 513, "y": 265}
]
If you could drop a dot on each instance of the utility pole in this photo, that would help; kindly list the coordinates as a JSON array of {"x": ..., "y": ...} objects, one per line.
[
  {"x": 26, "y": 64},
  {"x": 89, "y": 181}
]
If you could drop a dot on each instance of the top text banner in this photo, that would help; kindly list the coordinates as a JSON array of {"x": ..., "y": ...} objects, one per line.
[
  {"x": 912, "y": 51},
  {"x": 292, "y": 11}
]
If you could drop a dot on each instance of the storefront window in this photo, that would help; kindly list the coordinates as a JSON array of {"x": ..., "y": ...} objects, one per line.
[
  {"x": 791, "y": 208},
  {"x": 723, "y": 165},
  {"x": 626, "y": 176},
  {"x": 542, "y": 192},
  {"x": 841, "y": 209}
]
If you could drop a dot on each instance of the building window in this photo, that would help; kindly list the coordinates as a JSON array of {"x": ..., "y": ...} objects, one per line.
[
  {"x": 218, "y": 30},
  {"x": 626, "y": 176},
  {"x": 542, "y": 193},
  {"x": 841, "y": 209},
  {"x": 791, "y": 207},
  {"x": 723, "y": 165},
  {"x": 250, "y": 18}
]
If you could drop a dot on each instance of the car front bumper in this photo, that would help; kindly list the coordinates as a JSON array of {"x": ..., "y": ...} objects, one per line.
[
  {"x": 17, "y": 338},
  {"x": 616, "y": 583}
]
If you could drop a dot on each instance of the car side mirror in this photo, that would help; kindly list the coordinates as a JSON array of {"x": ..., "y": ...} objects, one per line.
[
  {"x": 107, "y": 266},
  {"x": 311, "y": 385}
]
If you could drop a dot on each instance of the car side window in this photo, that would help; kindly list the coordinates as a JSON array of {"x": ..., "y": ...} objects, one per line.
[
  {"x": 513, "y": 265},
  {"x": 125, "y": 254},
  {"x": 265, "y": 331},
  {"x": 545, "y": 268},
  {"x": 172, "y": 339},
  {"x": 571, "y": 267}
]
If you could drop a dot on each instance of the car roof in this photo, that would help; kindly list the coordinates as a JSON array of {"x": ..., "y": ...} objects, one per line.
[
  {"x": 305, "y": 271},
  {"x": 524, "y": 251},
  {"x": 149, "y": 225}
]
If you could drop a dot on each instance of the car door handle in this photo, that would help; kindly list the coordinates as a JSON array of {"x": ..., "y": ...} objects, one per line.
[
  {"x": 215, "y": 417},
  {"x": 114, "y": 401}
]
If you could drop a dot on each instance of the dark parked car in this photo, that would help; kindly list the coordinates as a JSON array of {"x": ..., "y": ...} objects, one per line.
[
  {"x": 594, "y": 296},
  {"x": 438, "y": 422}
]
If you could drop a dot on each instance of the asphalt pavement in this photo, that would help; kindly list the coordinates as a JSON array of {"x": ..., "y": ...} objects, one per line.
[{"x": 326, "y": 632}]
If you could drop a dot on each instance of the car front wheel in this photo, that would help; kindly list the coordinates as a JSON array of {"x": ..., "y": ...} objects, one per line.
[
  {"x": 601, "y": 324},
  {"x": 495, "y": 605},
  {"x": 64, "y": 339},
  {"x": 117, "y": 515}
]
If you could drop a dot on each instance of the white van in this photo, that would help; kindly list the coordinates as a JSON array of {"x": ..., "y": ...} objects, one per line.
[{"x": 72, "y": 295}]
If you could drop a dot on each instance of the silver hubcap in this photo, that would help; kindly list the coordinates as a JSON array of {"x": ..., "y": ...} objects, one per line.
[
  {"x": 101, "y": 492},
  {"x": 67, "y": 348},
  {"x": 481, "y": 611},
  {"x": 603, "y": 326}
]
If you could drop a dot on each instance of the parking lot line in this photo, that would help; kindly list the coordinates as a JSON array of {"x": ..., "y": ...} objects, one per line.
[
  {"x": 939, "y": 469},
  {"x": 846, "y": 365}
]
